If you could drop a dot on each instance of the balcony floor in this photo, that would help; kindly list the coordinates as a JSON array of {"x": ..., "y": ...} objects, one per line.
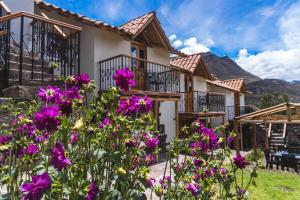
[
  {"x": 193, "y": 115},
  {"x": 153, "y": 94}
]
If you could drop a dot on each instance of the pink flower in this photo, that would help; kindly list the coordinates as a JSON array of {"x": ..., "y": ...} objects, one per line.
[
  {"x": 50, "y": 94},
  {"x": 191, "y": 187},
  {"x": 35, "y": 189},
  {"x": 165, "y": 182},
  {"x": 32, "y": 149},
  {"x": 65, "y": 106},
  {"x": 74, "y": 138},
  {"x": 152, "y": 143},
  {"x": 106, "y": 122},
  {"x": 150, "y": 182},
  {"x": 73, "y": 93},
  {"x": 124, "y": 79},
  {"x": 4, "y": 139},
  {"x": 47, "y": 119},
  {"x": 93, "y": 191},
  {"x": 58, "y": 157},
  {"x": 149, "y": 159},
  {"x": 134, "y": 104},
  {"x": 82, "y": 79}
]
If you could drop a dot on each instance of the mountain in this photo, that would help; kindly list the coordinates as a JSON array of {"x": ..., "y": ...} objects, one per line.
[
  {"x": 275, "y": 86},
  {"x": 225, "y": 68}
]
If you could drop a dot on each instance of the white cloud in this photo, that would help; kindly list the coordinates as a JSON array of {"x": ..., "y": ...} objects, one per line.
[
  {"x": 172, "y": 37},
  {"x": 177, "y": 43},
  {"x": 283, "y": 63},
  {"x": 191, "y": 45}
]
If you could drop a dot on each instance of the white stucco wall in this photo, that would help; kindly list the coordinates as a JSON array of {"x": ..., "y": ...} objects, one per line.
[
  {"x": 158, "y": 55},
  {"x": 167, "y": 110},
  {"x": 242, "y": 99},
  {"x": 182, "y": 83},
  {"x": 199, "y": 84}
]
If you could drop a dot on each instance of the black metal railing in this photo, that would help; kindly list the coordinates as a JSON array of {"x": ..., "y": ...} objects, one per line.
[
  {"x": 231, "y": 110},
  {"x": 36, "y": 48},
  {"x": 149, "y": 76},
  {"x": 201, "y": 102}
]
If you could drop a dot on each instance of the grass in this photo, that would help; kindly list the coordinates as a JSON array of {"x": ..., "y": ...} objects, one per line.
[{"x": 275, "y": 185}]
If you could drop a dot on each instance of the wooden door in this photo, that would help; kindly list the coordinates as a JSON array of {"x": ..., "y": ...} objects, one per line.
[{"x": 139, "y": 65}]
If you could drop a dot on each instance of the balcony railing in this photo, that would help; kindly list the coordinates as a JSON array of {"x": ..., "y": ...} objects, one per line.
[
  {"x": 149, "y": 76},
  {"x": 231, "y": 110},
  {"x": 4, "y": 10},
  {"x": 30, "y": 45},
  {"x": 201, "y": 102}
]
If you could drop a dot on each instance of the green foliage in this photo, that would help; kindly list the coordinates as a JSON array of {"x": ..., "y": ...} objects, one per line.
[{"x": 268, "y": 100}]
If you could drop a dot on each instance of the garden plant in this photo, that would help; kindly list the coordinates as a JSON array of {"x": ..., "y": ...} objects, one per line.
[{"x": 71, "y": 143}]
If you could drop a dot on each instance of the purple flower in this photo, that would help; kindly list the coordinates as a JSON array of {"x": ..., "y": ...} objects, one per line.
[
  {"x": 230, "y": 140},
  {"x": 47, "y": 119},
  {"x": 150, "y": 181},
  {"x": 73, "y": 93},
  {"x": 152, "y": 143},
  {"x": 191, "y": 187},
  {"x": 124, "y": 79},
  {"x": 240, "y": 161},
  {"x": 35, "y": 189},
  {"x": 4, "y": 139},
  {"x": 58, "y": 157},
  {"x": 82, "y": 79},
  {"x": 65, "y": 106},
  {"x": 106, "y": 122},
  {"x": 198, "y": 162},
  {"x": 208, "y": 141},
  {"x": 32, "y": 149},
  {"x": 149, "y": 159},
  {"x": 223, "y": 171},
  {"x": 93, "y": 191},
  {"x": 27, "y": 129},
  {"x": 50, "y": 94},
  {"x": 131, "y": 143},
  {"x": 41, "y": 138},
  {"x": 144, "y": 104},
  {"x": 73, "y": 138},
  {"x": 165, "y": 182}
]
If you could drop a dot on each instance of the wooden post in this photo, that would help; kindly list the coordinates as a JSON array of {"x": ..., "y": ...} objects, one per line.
[
  {"x": 267, "y": 136},
  {"x": 254, "y": 142},
  {"x": 237, "y": 139},
  {"x": 241, "y": 133},
  {"x": 177, "y": 118}
]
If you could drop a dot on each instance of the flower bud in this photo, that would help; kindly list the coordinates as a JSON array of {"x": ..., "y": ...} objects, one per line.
[
  {"x": 121, "y": 171},
  {"x": 158, "y": 191},
  {"x": 78, "y": 125}
]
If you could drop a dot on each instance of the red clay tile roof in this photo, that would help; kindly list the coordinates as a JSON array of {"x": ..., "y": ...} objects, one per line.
[
  {"x": 192, "y": 63},
  {"x": 236, "y": 85},
  {"x": 81, "y": 18},
  {"x": 134, "y": 26}
]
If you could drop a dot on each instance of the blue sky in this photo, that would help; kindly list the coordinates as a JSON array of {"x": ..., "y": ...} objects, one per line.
[{"x": 263, "y": 36}]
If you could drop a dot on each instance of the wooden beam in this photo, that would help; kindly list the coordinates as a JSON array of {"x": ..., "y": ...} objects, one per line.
[
  {"x": 254, "y": 140},
  {"x": 266, "y": 134},
  {"x": 298, "y": 112},
  {"x": 55, "y": 26},
  {"x": 159, "y": 35},
  {"x": 5, "y": 7},
  {"x": 237, "y": 138},
  {"x": 3, "y": 33},
  {"x": 241, "y": 132},
  {"x": 288, "y": 112},
  {"x": 270, "y": 121},
  {"x": 41, "y": 18}
]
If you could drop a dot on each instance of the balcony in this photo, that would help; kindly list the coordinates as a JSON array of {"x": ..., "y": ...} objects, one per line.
[
  {"x": 149, "y": 76},
  {"x": 201, "y": 102},
  {"x": 233, "y": 111},
  {"x": 30, "y": 45}
]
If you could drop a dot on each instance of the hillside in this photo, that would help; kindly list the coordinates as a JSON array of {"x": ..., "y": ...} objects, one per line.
[
  {"x": 273, "y": 86},
  {"x": 225, "y": 68}
]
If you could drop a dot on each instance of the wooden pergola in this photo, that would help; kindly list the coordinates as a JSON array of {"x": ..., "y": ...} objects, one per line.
[{"x": 286, "y": 113}]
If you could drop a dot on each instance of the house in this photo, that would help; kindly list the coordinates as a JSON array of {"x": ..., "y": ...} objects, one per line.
[{"x": 182, "y": 89}]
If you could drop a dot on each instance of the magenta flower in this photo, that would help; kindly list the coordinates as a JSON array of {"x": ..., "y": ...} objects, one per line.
[
  {"x": 58, "y": 157},
  {"x": 4, "y": 139},
  {"x": 131, "y": 143},
  {"x": 152, "y": 143},
  {"x": 149, "y": 159},
  {"x": 144, "y": 104},
  {"x": 165, "y": 182},
  {"x": 223, "y": 171},
  {"x": 93, "y": 191},
  {"x": 106, "y": 122},
  {"x": 230, "y": 140},
  {"x": 65, "y": 106},
  {"x": 50, "y": 94},
  {"x": 47, "y": 119},
  {"x": 82, "y": 79},
  {"x": 240, "y": 161},
  {"x": 27, "y": 129},
  {"x": 198, "y": 162},
  {"x": 35, "y": 189},
  {"x": 124, "y": 79},
  {"x": 191, "y": 187},
  {"x": 73, "y": 138},
  {"x": 150, "y": 182},
  {"x": 32, "y": 149},
  {"x": 73, "y": 93}
]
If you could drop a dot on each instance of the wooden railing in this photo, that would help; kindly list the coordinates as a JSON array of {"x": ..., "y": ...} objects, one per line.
[
  {"x": 38, "y": 48},
  {"x": 149, "y": 76},
  {"x": 201, "y": 102}
]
